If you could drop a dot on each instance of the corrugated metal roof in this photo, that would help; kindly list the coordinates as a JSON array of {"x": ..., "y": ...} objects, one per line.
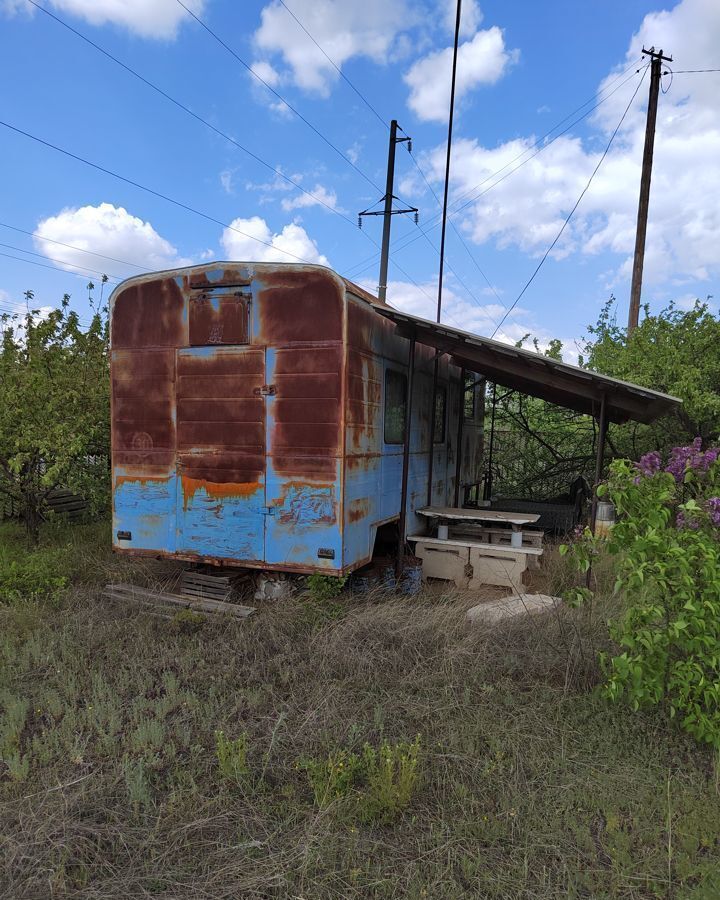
[{"x": 533, "y": 373}]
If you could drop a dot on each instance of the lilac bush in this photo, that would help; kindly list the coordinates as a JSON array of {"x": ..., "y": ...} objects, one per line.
[{"x": 666, "y": 542}]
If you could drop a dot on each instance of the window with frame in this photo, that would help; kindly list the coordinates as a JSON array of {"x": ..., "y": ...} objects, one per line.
[
  {"x": 395, "y": 406},
  {"x": 470, "y": 396},
  {"x": 440, "y": 405}
]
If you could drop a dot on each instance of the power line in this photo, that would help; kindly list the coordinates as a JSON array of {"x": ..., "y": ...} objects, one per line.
[
  {"x": 39, "y": 237},
  {"x": 570, "y": 214},
  {"x": 32, "y": 262},
  {"x": 336, "y": 67},
  {"x": 148, "y": 190},
  {"x": 412, "y": 237},
  {"x": 190, "y": 112},
  {"x": 692, "y": 71},
  {"x": 62, "y": 262},
  {"x": 249, "y": 68}
]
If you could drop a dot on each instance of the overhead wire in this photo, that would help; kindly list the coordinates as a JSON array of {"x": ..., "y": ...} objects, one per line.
[
  {"x": 186, "y": 109},
  {"x": 148, "y": 190},
  {"x": 411, "y": 237},
  {"x": 572, "y": 211},
  {"x": 282, "y": 99},
  {"x": 39, "y": 237}
]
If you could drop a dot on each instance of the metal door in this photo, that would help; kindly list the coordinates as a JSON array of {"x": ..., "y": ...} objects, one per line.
[{"x": 221, "y": 427}]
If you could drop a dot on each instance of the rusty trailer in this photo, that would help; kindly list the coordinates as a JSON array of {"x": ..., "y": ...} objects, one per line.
[{"x": 259, "y": 419}]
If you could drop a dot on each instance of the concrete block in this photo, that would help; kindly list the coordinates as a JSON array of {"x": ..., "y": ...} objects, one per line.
[
  {"x": 510, "y": 607},
  {"x": 504, "y": 569},
  {"x": 447, "y": 563}
]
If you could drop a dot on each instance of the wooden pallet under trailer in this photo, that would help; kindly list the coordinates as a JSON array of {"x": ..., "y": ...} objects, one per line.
[{"x": 163, "y": 603}]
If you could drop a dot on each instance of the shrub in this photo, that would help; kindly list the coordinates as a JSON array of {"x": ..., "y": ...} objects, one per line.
[
  {"x": 37, "y": 576},
  {"x": 231, "y": 755},
  {"x": 667, "y": 546},
  {"x": 325, "y": 587},
  {"x": 373, "y": 786}
]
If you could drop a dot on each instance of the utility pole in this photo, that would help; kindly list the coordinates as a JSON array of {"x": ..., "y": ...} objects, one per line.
[
  {"x": 387, "y": 212},
  {"x": 657, "y": 59}
]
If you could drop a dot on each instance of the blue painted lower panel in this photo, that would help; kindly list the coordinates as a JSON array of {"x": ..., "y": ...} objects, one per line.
[
  {"x": 146, "y": 509},
  {"x": 229, "y": 527}
]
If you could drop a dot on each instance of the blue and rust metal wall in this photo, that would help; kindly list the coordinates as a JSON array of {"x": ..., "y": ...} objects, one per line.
[{"x": 247, "y": 418}]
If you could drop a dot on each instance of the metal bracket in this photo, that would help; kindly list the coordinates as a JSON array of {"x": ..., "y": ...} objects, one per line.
[{"x": 267, "y": 390}]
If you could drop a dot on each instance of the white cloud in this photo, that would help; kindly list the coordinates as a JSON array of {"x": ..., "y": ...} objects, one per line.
[
  {"x": 481, "y": 60},
  {"x": 527, "y": 208},
  {"x": 252, "y": 245},
  {"x": 107, "y": 230},
  {"x": 343, "y": 28},
  {"x": 459, "y": 311},
  {"x": 317, "y": 197},
  {"x": 470, "y": 16},
  {"x": 146, "y": 18}
]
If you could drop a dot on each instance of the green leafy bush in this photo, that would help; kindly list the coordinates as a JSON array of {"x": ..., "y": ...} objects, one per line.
[
  {"x": 36, "y": 576},
  {"x": 376, "y": 785},
  {"x": 231, "y": 755},
  {"x": 667, "y": 547},
  {"x": 325, "y": 587}
]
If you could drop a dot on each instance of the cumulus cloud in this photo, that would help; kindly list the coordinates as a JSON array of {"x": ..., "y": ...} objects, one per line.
[
  {"x": 344, "y": 28},
  {"x": 108, "y": 230},
  {"x": 461, "y": 312},
  {"x": 527, "y": 208},
  {"x": 258, "y": 243},
  {"x": 318, "y": 196},
  {"x": 470, "y": 16},
  {"x": 481, "y": 60},
  {"x": 146, "y": 18}
]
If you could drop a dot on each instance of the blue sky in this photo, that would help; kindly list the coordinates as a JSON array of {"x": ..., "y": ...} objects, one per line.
[{"x": 523, "y": 68}]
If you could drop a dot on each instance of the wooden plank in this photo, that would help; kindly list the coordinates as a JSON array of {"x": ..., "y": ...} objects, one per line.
[
  {"x": 481, "y": 545},
  {"x": 477, "y": 515},
  {"x": 133, "y": 592}
]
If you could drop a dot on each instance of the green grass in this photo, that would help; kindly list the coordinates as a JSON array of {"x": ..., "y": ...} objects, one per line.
[{"x": 529, "y": 785}]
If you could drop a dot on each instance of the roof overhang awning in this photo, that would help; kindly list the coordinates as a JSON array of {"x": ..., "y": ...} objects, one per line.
[{"x": 532, "y": 373}]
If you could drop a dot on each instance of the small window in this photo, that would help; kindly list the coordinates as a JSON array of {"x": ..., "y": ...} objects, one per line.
[
  {"x": 440, "y": 403},
  {"x": 395, "y": 406},
  {"x": 469, "y": 397}
]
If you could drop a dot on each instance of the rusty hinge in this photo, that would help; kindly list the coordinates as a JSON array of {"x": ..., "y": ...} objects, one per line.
[{"x": 267, "y": 390}]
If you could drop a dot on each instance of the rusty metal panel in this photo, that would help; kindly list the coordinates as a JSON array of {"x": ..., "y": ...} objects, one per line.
[{"x": 218, "y": 319}]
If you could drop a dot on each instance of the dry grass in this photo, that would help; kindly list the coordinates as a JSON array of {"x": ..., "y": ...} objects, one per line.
[{"x": 531, "y": 786}]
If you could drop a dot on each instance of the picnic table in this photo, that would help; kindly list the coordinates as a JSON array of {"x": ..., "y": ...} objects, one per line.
[
  {"x": 471, "y": 552},
  {"x": 449, "y": 514}
]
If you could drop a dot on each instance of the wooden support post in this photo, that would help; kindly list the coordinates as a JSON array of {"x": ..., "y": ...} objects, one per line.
[
  {"x": 402, "y": 525},
  {"x": 599, "y": 459}
]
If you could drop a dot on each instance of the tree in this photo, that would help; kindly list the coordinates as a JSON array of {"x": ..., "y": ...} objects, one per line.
[
  {"x": 675, "y": 351},
  {"x": 54, "y": 409}
]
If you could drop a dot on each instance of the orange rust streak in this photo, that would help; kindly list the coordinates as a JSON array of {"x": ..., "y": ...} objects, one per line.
[
  {"x": 140, "y": 479},
  {"x": 215, "y": 489}
]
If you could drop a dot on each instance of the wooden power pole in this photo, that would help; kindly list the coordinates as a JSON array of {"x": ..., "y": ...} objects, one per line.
[{"x": 657, "y": 59}]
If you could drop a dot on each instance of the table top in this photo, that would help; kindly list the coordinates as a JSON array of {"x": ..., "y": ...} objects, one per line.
[{"x": 477, "y": 515}]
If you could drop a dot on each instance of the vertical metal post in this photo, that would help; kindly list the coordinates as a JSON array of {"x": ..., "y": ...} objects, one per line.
[
  {"x": 402, "y": 525},
  {"x": 442, "y": 244},
  {"x": 487, "y": 492},
  {"x": 599, "y": 459},
  {"x": 458, "y": 449},
  {"x": 387, "y": 215}
]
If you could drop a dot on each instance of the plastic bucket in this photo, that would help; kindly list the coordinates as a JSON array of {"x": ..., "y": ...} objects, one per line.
[
  {"x": 443, "y": 532},
  {"x": 516, "y": 539}
]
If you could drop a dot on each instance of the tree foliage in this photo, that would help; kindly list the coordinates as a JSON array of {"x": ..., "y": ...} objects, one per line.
[{"x": 54, "y": 409}]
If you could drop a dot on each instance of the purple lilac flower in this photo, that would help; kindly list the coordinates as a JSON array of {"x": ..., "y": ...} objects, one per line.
[
  {"x": 649, "y": 464},
  {"x": 713, "y": 508},
  {"x": 682, "y": 521},
  {"x": 690, "y": 457}
]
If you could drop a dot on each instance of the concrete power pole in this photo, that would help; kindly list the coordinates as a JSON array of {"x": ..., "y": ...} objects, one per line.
[
  {"x": 387, "y": 212},
  {"x": 657, "y": 59}
]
